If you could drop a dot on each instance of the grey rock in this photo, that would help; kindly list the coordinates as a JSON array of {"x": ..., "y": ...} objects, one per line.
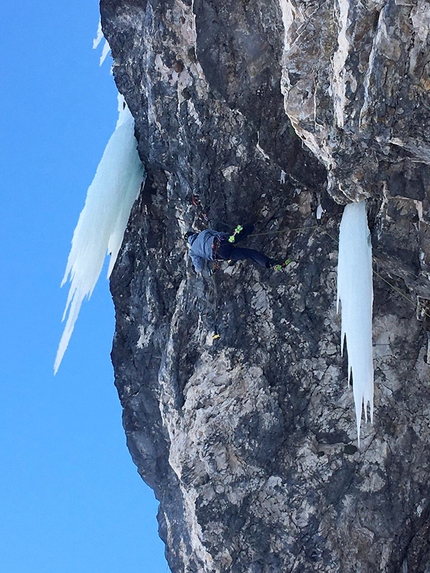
[{"x": 276, "y": 113}]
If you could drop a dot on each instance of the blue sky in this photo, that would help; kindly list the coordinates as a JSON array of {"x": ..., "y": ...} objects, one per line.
[{"x": 70, "y": 497}]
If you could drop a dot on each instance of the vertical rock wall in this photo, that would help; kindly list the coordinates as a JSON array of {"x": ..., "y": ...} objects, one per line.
[{"x": 249, "y": 439}]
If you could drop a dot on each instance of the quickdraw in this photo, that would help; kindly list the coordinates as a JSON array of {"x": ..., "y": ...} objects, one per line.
[
  {"x": 281, "y": 266},
  {"x": 198, "y": 204},
  {"x": 232, "y": 237}
]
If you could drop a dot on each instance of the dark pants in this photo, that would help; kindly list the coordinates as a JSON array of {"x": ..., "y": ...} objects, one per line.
[{"x": 229, "y": 252}]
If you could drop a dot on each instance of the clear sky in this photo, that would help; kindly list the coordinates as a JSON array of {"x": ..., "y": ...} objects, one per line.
[{"x": 71, "y": 500}]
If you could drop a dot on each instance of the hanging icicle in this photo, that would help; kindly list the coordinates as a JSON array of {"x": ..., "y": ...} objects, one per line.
[
  {"x": 355, "y": 295},
  {"x": 103, "y": 220}
]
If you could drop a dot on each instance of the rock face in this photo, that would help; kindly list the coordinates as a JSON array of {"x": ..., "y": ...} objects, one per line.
[{"x": 277, "y": 113}]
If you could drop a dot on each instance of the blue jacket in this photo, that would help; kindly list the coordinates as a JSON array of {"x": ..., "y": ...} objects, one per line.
[{"x": 201, "y": 247}]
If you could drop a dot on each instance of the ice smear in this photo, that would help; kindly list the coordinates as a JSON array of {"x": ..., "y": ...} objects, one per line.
[
  {"x": 103, "y": 220},
  {"x": 355, "y": 293}
]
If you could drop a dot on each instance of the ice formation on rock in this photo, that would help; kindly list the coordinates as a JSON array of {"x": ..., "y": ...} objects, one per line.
[
  {"x": 103, "y": 220},
  {"x": 355, "y": 293}
]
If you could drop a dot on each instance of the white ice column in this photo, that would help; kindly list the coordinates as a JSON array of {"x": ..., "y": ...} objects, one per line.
[{"x": 355, "y": 295}]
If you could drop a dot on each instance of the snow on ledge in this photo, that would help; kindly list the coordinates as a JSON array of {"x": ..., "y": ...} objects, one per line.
[
  {"x": 103, "y": 220},
  {"x": 355, "y": 293}
]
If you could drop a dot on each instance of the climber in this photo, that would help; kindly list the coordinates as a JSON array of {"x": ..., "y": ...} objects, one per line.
[{"x": 213, "y": 245}]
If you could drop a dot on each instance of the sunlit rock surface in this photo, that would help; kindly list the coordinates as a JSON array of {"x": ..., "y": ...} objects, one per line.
[{"x": 276, "y": 113}]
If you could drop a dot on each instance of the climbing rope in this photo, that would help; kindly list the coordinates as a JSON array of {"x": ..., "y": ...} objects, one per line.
[
  {"x": 238, "y": 229},
  {"x": 395, "y": 289},
  {"x": 284, "y": 231}
]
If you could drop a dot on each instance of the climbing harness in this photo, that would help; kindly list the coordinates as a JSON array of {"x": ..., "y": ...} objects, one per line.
[{"x": 237, "y": 230}]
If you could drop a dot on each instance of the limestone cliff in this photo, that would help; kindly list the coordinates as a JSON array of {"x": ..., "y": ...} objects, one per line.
[{"x": 276, "y": 112}]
